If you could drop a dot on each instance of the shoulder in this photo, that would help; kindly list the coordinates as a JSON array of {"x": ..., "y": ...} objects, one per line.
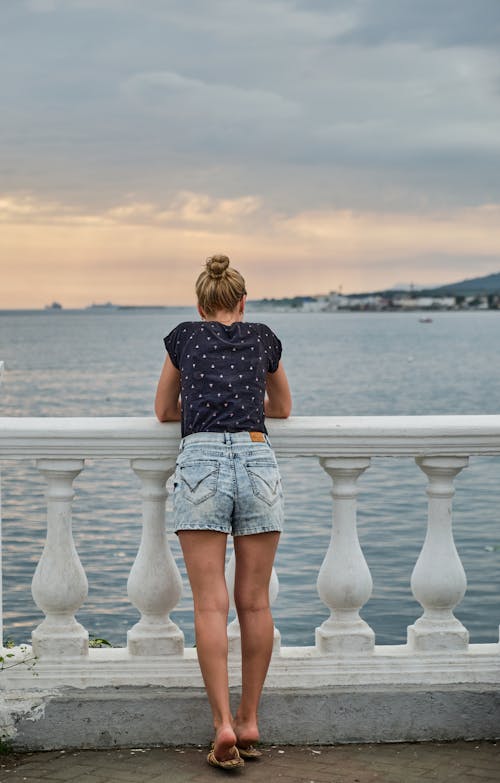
[
  {"x": 188, "y": 326},
  {"x": 258, "y": 327},
  {"x": 185, "y": 327},
  {"x": 178, "y": 336},
  {"x": 263, "y": 330}
]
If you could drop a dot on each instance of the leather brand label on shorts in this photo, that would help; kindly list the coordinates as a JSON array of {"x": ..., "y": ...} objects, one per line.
[{"x": 257, "y": 437}]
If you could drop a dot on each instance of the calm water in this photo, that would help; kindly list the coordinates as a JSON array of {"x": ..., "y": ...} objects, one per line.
[{"x": 74, "y": 364}]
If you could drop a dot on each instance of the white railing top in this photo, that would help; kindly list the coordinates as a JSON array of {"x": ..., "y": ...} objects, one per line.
[{"x": 332, "y": 436}]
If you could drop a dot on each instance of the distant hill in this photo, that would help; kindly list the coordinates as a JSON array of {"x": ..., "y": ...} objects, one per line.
[
  {"x": 475, "y": 286},
  {"x": 490, "y": 284}
]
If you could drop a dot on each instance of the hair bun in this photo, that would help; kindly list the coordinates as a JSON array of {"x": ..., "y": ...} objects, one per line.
[{"x": 216, "y": 266}]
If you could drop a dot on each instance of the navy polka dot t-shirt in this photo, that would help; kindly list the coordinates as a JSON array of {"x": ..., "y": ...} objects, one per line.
[{"x": 223, "y": 374}]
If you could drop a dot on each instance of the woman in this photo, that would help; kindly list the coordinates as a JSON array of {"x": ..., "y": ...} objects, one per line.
[{"x": 221, "y": 377}]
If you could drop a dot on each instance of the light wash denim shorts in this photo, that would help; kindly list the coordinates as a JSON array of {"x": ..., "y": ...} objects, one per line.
[{"x": 227, "y": 482}]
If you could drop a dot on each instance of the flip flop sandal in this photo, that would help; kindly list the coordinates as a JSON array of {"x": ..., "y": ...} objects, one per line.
[
  {"x": 233, "y": 763},
  {"x": 250, "y": 752}
]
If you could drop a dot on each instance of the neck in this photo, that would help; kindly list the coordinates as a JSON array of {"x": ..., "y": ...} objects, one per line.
[{"x": 226, "y": 318}]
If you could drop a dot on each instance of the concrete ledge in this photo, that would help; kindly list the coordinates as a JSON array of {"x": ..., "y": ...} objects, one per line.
[{"x": 155, "y": 716}]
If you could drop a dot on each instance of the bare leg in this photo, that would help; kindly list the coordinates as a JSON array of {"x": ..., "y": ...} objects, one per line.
[
  {"x": 204, "y": 553},
  {"x": 254, "y": 562}
]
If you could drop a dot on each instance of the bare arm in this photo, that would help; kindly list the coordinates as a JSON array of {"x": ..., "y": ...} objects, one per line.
[
  {"x": 167, "y": 402},
  {"x": 278, "y": 402}
]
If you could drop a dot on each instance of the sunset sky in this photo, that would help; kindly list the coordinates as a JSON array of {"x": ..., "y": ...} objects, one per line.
[{"x": 319, "y": 143}]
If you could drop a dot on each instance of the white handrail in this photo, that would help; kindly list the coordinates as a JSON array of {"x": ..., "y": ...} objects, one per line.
[{"x": 321, "y": 436}]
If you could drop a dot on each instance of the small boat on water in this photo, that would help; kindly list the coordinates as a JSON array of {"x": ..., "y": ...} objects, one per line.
[{"x": 426, "y": 320}]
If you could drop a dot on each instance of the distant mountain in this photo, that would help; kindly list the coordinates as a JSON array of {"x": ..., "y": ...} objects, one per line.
[
  {"x": 475, "y": 286},
  {"x": 409, "y": 287}
]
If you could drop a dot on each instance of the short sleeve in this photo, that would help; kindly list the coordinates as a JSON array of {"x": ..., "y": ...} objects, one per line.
[
  {"x": 274, "y": 349},
  {"x": 172, "y": 344}
]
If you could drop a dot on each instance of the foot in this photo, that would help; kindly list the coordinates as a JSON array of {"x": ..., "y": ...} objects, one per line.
[
  {"x": 247, "y": 732},
  {"x": 225, "y": 740}
]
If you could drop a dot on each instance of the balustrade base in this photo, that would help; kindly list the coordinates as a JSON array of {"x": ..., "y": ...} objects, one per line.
[
  {"x": 426, "y": 637},
  {"x": 50, "y": 643},
  {"x": 338, "y": 641},
  {"x": 157, "y": 642}
]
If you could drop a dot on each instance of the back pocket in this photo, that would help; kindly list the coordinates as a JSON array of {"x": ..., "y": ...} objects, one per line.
[
  {"x": 265, "y": 480},
  {"x": 198, "y": 480}
]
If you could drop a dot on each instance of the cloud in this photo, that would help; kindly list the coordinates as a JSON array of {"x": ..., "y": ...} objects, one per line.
[
  {"x": 260, "y": 121},
  {"x": 132, "y": 251},
  {"x": 41, "y": 6},
  {"x": 28, "y": 209},
  {"x": 444, "y": 23},
  {"x": 253, "y": 96},
  {"x": 223, "y": 104},
  {"x": 372, "y": 237},
  {"x": 186, "y": 208}
]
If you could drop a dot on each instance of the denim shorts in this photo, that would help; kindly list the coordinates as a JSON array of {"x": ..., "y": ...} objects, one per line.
[{"x": 227, "y": 482}]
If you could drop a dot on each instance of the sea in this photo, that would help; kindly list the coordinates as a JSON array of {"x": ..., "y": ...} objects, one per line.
[{"x": 84, "y": 363}]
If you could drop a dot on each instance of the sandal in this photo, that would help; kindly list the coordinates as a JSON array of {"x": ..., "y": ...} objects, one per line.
[
  {"x": 232, "y": 763},
  {"x": 250, "y": 752}
]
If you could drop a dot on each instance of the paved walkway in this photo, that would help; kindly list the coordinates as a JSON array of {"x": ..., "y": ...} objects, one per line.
[{"x": 455, "y": 762}]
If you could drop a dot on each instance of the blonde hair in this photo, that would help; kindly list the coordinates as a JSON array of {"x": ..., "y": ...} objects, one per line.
[{"x": 219, "y": 287}]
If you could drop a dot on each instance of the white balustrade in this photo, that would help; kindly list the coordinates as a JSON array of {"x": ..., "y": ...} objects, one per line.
[
  {"x": 438, "y": 581},
  {"x": 344, "y": 580},
  {"x": 383, "y": 683},
  {"x": 59, "y": 584},
  {"x": 233, "y": 629},
  {"x": 344, "y": 447},
  {"x": 154, "y": 584}
]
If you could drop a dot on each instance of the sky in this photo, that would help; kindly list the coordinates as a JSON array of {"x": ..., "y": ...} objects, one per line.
[{"x": 322, "y": 144}]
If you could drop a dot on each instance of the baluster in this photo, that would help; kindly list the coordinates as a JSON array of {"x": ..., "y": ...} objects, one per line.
[
  {"x": 233, "y": 629},
  {"x": 438, "y": 580},
  {"x": 59, "y": 584},
  {"x": 154, "y": 584},
  {"x": 344, "y": 580}
]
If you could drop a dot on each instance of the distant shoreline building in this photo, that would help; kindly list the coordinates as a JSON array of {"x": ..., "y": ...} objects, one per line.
[{"x": 383, "y": 302}]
